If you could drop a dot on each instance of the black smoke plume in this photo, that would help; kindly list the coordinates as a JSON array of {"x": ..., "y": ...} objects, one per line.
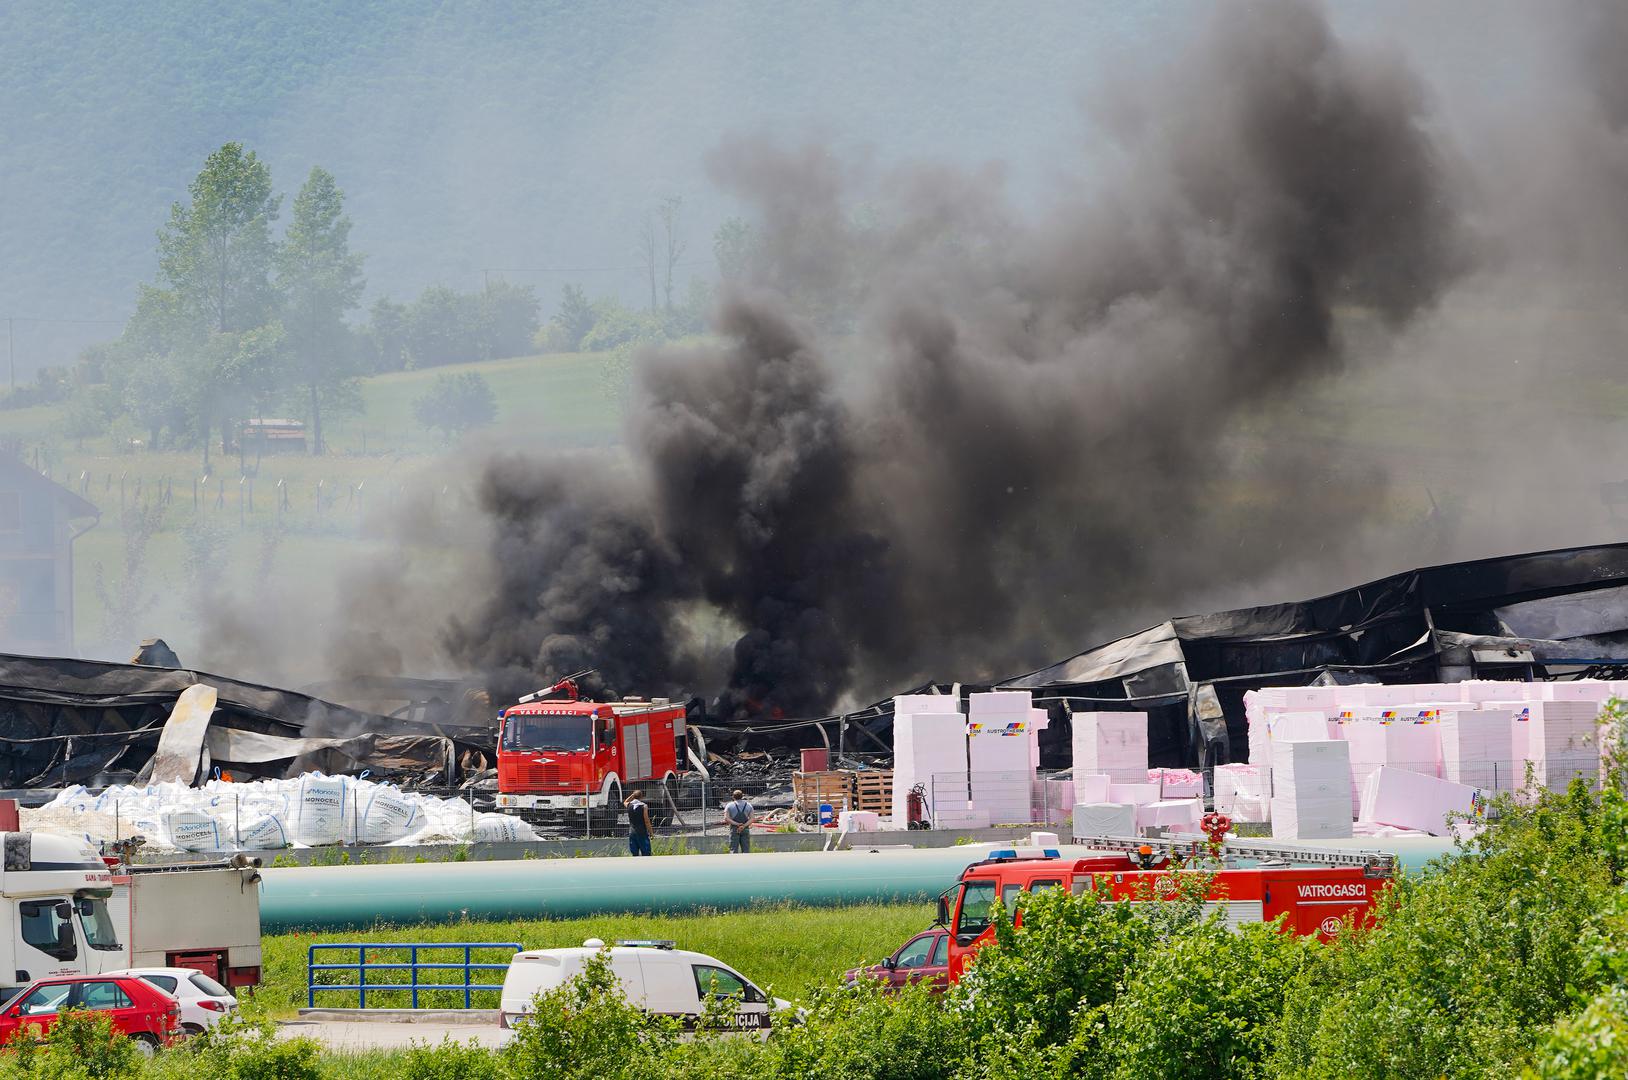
[{"x": 939, "y": 437}]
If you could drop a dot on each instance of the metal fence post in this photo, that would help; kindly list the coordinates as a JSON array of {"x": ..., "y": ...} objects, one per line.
[
  {"x": 704, "y": 786},
  {"x": 361, "y": 976},
  {"x": 467, "y": 950}
]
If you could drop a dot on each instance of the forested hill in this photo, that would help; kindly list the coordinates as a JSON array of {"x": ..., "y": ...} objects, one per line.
[{"x": 474, "y": 135}]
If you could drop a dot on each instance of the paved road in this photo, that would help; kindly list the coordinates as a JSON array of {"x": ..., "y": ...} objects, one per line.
[{"x": 374, "y": 1035}]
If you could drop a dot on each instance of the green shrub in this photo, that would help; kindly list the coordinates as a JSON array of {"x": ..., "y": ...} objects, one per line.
[
  {"x": 234, "y": 1050},
  {"x": 450, "y": 1061},
  {"x": 588, "y": 1029},
  {"x": 1205, "y": 1004},
  {"x": 1592, "y": 1044},
  {"x": 80, "y": 1046}
]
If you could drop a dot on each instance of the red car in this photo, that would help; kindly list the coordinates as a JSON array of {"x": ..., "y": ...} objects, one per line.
[
  {"x": 924, "y": 958},
  {"x": 139, "y": 1009}
]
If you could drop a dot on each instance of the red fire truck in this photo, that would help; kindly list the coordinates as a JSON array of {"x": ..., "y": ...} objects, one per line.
[
  {"x": 559, "y": 754},
  {"x": 1317, "y": 889}
]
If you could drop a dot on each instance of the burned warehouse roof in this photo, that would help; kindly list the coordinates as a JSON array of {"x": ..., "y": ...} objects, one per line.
[{"x": 1537, "y": 615}]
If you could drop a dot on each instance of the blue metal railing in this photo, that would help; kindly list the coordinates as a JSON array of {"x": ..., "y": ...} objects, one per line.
[{"x": 413, "y": 965}]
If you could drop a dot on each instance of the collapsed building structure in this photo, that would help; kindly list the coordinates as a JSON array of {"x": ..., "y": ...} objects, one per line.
[
  {"x": 1542, "y": 615},
  {"x": 65, "y": 721}
]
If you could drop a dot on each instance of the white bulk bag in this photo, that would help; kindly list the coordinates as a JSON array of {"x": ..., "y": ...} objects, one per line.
[
  {"x": 263, "y": 834},
  {"x": 386, "y": 817},
  {"x": 323, "y": 803},
  {"x": 191, "y": 830},
  {"x": 502, "y": 829}
]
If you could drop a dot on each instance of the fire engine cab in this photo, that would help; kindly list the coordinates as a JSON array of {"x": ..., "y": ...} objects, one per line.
[
  {"x": 557, "y": 753},
  {"x": 1315, "y": 890}
]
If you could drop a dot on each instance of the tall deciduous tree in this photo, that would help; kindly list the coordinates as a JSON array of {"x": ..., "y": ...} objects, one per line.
[
  {"x": 215, "y": 262},
  {"x": 321, "y": 280},
  {"x": 216, "y": 252},
  {"x": 669, "y": 212}
]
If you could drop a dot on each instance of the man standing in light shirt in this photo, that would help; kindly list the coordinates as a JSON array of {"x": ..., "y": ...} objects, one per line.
[{"x": 738, "y": 816}]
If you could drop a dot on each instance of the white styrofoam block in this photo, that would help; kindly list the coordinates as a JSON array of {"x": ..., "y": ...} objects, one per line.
[
  {"x": 859, "y": 821},
  {"x": 961, "y": 819},
  {"x": 1104, "y": 819},
  {"x": 925, "y": 745},
  {"x": 1288, "y": 825},
  {"x": 1043, "y": 840},
  {"x": 910, "y": 704},
  {"x": 1091, "y": 787},
  {"x": 1000, "y": 702},
  {"x": 1477, "y": 748},
  {"x": 1309, "y": 697},
  {"x": 1135, "y": 794},
  {"x": 1410, "y": 800},
  {"x": 1562, "y": 741},
  {"x": 1309, "y": 758},
  {"x": 1297, "y": 725},
  {"x": 1485, "y": 690},
  {"x": 1597, "y": 690},
  {"x": 1115, "y": 743},
  {"x": 1177, "y": 815},
  {"x": 1241, "y": 780},
  {"x": 1401, "y": 742}
]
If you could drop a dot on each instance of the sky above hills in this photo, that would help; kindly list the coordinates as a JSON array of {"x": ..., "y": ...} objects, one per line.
[{"x": 533, "y": 136}]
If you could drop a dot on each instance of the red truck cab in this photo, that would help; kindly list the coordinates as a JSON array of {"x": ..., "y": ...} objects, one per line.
[
  {"x": 569, "y": 755},
  {"x": 1247, "y": 883}
]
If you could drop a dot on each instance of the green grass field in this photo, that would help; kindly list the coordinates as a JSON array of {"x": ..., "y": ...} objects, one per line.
[{"x": 787, "y": 949}]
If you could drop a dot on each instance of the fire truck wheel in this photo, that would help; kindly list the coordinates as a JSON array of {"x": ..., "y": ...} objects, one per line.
[
  {"x": 613, "y": 798},
  {"x": 661, "y": 806}
]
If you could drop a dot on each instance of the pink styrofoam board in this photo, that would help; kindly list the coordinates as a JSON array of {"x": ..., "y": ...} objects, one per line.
[{"x": 1409, "y": 800}]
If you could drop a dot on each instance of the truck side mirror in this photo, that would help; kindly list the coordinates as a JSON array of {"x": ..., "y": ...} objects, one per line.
[
  {"x": 943, "y": 916},
  {"x": 65, "y": 911}
]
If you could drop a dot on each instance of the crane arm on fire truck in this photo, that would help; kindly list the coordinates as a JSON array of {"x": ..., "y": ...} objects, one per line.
[
  {"x": 566, "y": 686},
  {"x": 1372, "y": 863}
]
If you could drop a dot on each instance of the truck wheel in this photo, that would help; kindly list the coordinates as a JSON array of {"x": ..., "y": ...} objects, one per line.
[
  {"x": 146, "y": 1045},
  {"x": 661, "y": 807}
]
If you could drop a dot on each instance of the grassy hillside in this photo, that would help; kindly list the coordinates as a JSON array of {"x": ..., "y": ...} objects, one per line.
[{"x": 235, "y": 523}]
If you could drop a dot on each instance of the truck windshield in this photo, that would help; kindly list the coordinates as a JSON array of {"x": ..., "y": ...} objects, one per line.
[
  {"x": 548, "y": 732},
  {"x": 98, "y": 924},
  {"x": 973, "y": 918}
]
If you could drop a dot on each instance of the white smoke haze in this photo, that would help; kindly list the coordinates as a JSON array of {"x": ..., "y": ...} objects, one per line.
[{"x": 948, "y": 431}]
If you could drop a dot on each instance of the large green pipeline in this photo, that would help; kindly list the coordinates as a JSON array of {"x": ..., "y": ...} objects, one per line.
[{"x": 356, "y": 897}]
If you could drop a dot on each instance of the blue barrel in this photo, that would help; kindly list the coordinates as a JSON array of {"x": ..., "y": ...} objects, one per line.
[{"x": 828, "y": 815}]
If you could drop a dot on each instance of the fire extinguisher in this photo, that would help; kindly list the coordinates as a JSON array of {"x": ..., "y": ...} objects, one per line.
[{"x": 916, "y": 808}]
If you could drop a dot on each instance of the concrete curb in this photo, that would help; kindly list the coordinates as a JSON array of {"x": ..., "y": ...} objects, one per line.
[{"x": 398, "y": 1016}]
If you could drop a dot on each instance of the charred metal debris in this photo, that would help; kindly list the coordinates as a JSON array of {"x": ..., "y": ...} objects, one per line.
[{"x": 1542, "y": 615}]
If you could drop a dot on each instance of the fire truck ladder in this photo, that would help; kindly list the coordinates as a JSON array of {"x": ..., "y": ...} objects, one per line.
[{"x": 1372, "y": 863}]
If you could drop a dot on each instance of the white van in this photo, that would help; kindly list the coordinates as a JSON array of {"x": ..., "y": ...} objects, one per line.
[{"x": 655, "y": 975}]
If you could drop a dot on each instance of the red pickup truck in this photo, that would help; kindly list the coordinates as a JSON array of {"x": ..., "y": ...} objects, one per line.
[{"x": 924, "y": 958}]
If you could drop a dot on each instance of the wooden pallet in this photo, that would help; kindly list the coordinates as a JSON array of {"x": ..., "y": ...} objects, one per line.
[
  {"x": 873, "y": 791},
  {"x": 809, "y": 790}
]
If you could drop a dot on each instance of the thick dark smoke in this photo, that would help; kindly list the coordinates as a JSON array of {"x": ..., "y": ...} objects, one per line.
[{"x": 941, "y": 437}]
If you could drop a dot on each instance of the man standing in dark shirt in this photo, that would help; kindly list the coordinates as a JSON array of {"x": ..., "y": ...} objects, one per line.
[{"x": 638, "y": 824}]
